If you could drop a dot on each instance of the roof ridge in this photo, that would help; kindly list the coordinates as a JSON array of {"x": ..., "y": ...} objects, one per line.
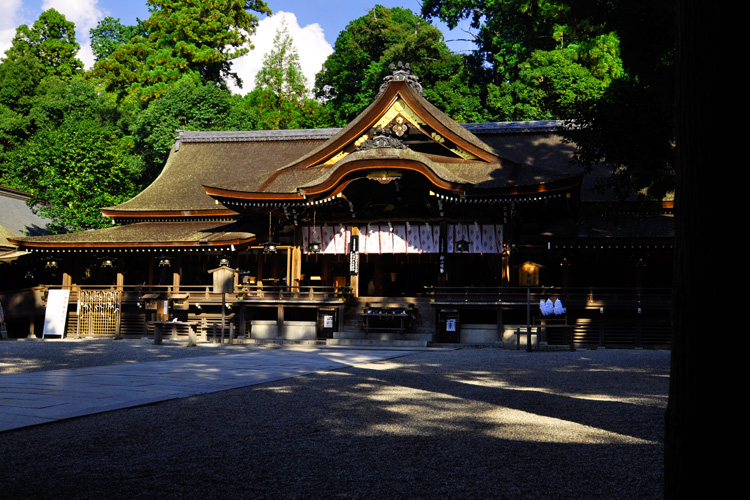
[{"x": 190, "y": 136}]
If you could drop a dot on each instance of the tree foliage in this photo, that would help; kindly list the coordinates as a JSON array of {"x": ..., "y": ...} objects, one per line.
[
  {"x": 281, "y": 72},
  {"x": 43, "y": 52},
  {"x": 185, "y": 106},
  {"x": 51, "y": 41},
  {"x": 280, "y": 99},
  {"x": 364, "y": 51},
  {"x": 606, "y": 64},
  {"x": 110, "y": 33},
  {"x": 77, "y": 160},
  {"x": 194, "y": 40}
]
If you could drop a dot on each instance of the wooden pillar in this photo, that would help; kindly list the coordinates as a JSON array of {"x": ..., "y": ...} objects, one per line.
[
  {"x": 295, "y": 272},
  {"x": 120, "y": 281},
  {"x": 67, "y": 280},
  {"x": 279, "y": 321}
]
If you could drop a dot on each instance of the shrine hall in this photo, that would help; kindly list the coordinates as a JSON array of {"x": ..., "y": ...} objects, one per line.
[{"x": 402, "y": 228}]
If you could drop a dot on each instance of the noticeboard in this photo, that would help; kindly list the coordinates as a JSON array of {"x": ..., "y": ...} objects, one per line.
[{"x": 57, "y": 310}]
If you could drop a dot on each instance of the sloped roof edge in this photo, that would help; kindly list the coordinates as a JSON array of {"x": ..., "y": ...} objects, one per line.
[{"x": 146, "y": 234}]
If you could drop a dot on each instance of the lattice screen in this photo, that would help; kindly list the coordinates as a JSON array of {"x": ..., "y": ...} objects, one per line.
[{"x": 99, "y": 313}]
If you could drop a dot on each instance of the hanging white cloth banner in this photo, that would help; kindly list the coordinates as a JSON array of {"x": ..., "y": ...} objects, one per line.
[
  {"x": 427, "y": 239},
  {"x": 475, "y": 238},
  {"x": 306, "y": 232},
  {"x": 460, "y": 233},
  {"x": 488, "y": 239},
  {"x": 410, "y": 238},
  {"x": 327, "y": 245},
  {"x": 399, "y": 238},
  {"x": 341, "y": 239},
  {"x": 373, "y": 240},
  {"x": 413, "y": 244},
  {"x": 499, "y": 237},
  {"x": 386, "y": 239}
]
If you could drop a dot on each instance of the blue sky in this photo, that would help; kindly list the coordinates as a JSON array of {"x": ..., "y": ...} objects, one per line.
[{"x": 314, "y": 25}]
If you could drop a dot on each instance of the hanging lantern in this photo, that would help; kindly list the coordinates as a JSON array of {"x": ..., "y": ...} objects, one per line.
[
  {"x": 269, "y": 246},
  {"x": 314, "y": 245}
]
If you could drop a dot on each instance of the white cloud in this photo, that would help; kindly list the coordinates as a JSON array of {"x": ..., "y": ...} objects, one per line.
[
  {"x": 311, "y": 45},
  {"x": 11, "y": 10}
]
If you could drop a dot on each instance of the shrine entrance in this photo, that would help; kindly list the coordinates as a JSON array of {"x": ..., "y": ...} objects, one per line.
[{"x": 397, "y": 275}]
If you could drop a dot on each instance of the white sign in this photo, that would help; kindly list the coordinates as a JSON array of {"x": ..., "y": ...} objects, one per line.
[
  {"x": 327, "y": 321},
  {"x": 450, "y": 325},
  {"x": 57, "y": 310}
]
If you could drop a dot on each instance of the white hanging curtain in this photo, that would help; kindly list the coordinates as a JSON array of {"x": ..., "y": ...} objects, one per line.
[
  {"x": 426, "y": 238},
  {"x": 386, "y": 239},
  {"x": 406, "y": 238},
  {"x": 399, "y": 238},
  {"x": 413, "y": 243},
  {"x": 373, "y": 239},
  {"x": 327, "y": 244},
  {"x": 342, "y": 239}
]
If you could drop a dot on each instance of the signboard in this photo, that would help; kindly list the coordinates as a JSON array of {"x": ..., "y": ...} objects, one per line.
[
  {"x": 57, "y": 310},
  {"x": 327, "y": 321},
  {"x": 450, "y": 325},
  {"x": 354, "y": 256}
]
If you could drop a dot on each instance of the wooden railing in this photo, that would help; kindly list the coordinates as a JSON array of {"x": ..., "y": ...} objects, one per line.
[
  {"x": 579, "y": 298},
  {"x": 294, "y": 293},
  {"x": 205, "y": 293}
]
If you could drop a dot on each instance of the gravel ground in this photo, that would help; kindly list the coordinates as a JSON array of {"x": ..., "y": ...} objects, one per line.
[
  {"x": 34, "y": 355},
  {"x": 462, "y": 424}
]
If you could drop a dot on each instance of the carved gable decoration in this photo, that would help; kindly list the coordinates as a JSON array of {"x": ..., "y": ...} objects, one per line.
[{"x": 401, "y": 118}]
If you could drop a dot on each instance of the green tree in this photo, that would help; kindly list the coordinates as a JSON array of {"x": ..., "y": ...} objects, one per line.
[
  {"x": 280, "y": 99},
  {"x": 52, "y": 42},
  {"x": 195, "y": 40},
  {"x": 365, "y": 50},
  {"x": 540, "y": 50},
  {"x": 74, "y": 170},
  {"x": 550, "y": 85},
  {"x": 281, "y": 72},
  {"x": 19, "y": 79},
  {"x": 185, "y": 106},
  {"x": 508, "y": 32},
  {"x": 110, "y": 33},
  {"x": 43, "y": 52},
  {"x": 77, "y": 158}
]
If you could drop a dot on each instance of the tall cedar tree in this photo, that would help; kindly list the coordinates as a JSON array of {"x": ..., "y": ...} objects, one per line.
[{"x": 194, "y": 40}]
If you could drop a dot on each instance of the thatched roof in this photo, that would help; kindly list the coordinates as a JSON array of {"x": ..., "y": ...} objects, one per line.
[
  {"x": 282, "y": 164},
  {"x": 147, "y": 234}
]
